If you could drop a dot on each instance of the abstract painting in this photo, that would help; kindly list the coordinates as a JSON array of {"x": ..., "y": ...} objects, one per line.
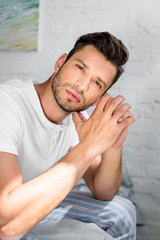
[{"x": 19, "y": 25}]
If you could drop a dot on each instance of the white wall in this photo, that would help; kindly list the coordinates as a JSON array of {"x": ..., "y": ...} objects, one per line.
[{"x": 137, "y": 23}]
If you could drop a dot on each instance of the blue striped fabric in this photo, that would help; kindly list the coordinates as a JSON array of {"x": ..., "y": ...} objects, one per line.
[{"x": 116, "y": 217}]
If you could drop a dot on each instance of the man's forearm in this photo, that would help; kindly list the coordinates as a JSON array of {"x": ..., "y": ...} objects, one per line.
[
  {"x": 107, "y": 178},
  {"x": 29, "y": 203}
]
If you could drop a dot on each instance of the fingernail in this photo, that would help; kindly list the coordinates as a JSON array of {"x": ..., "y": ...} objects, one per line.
[{"x": 120, "y": 120}]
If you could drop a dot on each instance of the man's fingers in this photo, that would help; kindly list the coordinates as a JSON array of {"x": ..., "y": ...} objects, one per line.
[
  {"x": 128, "y": 121},
  {"x": 107, "y": 104},
  {"x": 82, "y": 117},
  {"x": 101, "y": 104},
  {"x": 121, "y": 111},
  {"x": 124, "y": 116},
  {"x": 76, "y": 118},
  {"x": 113, "y": 104}
]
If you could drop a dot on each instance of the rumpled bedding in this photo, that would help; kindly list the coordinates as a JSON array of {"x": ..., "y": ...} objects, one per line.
[{"x": 67, "y": 229}]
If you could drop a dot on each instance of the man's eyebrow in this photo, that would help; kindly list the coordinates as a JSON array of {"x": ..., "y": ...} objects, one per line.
[
  {"x": 84, "y": 65},
  {"x": 87, "y": 67}
]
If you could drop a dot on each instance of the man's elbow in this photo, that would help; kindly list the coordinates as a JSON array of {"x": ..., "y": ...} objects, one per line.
[
  {"x": 104, "y": 198},
  {"x": 7, "y": 230},
  {"x": 107, "y": 196},
  {"x": 6, "y": 233}
]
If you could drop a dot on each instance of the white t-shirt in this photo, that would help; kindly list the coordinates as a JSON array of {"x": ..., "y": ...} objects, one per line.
[{"x": 27, "y": 133}]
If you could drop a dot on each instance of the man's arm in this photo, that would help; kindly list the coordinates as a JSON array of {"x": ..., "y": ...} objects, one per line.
[
  {"x": 108, "y": 174},
  {"x": 22, "y": 206},
  {"x": 104, "y": 175}
]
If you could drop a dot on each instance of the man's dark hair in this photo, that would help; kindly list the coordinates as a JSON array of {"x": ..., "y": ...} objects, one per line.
[{"x": 111, "y": 47}]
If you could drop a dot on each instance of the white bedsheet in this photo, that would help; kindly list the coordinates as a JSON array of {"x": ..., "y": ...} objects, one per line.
[{"x": 67, "y": 229}]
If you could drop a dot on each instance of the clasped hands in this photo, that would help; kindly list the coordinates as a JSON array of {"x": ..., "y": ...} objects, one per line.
[{"x": 107, "y": 126}]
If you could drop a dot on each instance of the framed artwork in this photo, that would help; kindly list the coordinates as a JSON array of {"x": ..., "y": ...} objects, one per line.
[{"x": 19, "y": 25}]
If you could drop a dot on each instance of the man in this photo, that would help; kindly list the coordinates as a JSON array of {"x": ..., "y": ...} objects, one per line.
[{"x": 41, "y": 159}]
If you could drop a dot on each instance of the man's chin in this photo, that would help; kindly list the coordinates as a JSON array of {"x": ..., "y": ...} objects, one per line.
[
  {"x": 73, "y": 109},
  {"x": 68, "y": 107}
]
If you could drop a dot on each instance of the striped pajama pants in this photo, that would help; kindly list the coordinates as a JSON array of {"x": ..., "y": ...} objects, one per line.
[{"x": 116, "y": 217}]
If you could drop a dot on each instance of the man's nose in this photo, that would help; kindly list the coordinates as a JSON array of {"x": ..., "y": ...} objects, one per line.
[{"x": 83, "y": 84}]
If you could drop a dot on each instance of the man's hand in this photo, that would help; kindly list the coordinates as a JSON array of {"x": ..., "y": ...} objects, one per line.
[
  {"x": 107, "y": 126},
  {"x": 121, "y": 138}
]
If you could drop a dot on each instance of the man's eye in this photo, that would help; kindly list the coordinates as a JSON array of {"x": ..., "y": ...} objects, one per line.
[
  {"x": 80, "y": 67},
  {"x": 98, "y": 84}
]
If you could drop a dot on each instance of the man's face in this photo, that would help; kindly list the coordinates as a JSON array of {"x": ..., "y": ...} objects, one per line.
[{"x": 82, "y": 80}]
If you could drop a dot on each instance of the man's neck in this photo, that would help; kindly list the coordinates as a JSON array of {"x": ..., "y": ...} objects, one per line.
[{"x": 49, "y": 106}]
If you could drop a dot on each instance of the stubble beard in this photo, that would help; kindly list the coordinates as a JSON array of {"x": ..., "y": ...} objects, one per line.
[{"x": 66, "y": 105}]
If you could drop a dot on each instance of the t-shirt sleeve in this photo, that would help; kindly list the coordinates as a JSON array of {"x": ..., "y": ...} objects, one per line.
[{"x": 10, "y": 125}]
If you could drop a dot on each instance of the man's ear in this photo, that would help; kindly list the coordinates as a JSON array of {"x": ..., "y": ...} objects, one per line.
[{"x": 60, "y": 62}]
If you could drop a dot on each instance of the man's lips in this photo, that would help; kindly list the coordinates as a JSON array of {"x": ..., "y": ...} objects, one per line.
[{"x": 73, "y": 96}]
